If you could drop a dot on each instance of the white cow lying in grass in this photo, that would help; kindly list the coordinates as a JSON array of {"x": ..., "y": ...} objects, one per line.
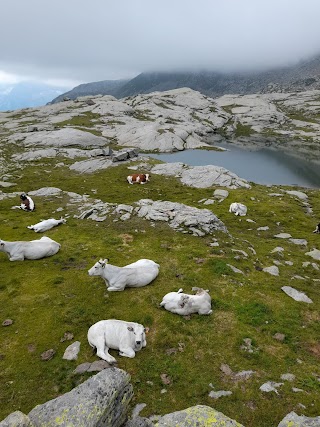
[
  {"x": 46, "y": 224},
  {"x": 35, "y": 249},
  {"x": 135, "y": 275},
  {"x": 238, "y": 209},
  {"x": 127, "y": 337},
  {"x": 184, "y": 304}
]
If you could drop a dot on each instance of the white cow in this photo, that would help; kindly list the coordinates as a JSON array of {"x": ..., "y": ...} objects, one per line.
[
  {"x": 184, "y": 304},
  {"x": 46, "y": 224},
  {"x": 135, "y": 275},
  {"x": 127, "y": 337},
  {"x": 35, "y": 249},
  {"x": 238, "y": 209}
]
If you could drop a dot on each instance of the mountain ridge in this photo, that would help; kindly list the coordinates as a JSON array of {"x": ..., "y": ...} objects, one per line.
[{"x": 303, "y": 76}]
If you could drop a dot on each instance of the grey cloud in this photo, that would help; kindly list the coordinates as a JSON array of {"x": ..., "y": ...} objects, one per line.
[{"x": 103, "y": 39}]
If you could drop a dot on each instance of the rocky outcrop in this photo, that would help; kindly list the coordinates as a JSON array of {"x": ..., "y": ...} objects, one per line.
[{"x": 201, "y": 176}]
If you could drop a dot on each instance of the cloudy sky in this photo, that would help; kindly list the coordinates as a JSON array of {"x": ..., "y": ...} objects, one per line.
[{"x": 75, "y": 41}]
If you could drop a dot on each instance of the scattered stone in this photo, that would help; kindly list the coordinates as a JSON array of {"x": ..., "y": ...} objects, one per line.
[
  {"x": 283, "y": 236},
  {"x": 263, "y": 228},
  {"x": 166, "y": 380},
  {"x": 301, "y": 242},
  {"x": 249, "y": 220},
  {"x": 7, "y": 322},
  {"x": 220, "y": 393},
  {"x": 48, "y": 354},
  {"x": 81, "y": 369},
  {"x": 235, "y": 269},
  {"x": 288, "y": 263},
  {"x": 278, "y": 250},
  {"x": 296, "y": 390},
  {"x": 296, "y": 295},
  {"x": 240, "y": 252},
  {"x": 288, "y": 377},
  {"x": 31, "y": 348},
  {"x": 299, "y": 194},
  {"x": 297, "y": 277},
  {"x": 315, "y": 254},
  {"x": 67, "y": 336},
  {"x": 270, "y": 386},
  {"x": 244, "y": 375},
  {"x": 273, "y": 270},
  {"x": 220, "y": 194},
  {"x": 226, "y": 369},
  {"x": 279, "y": 337},
  {"x": 163, "y": 391},
  {"x": 99, "y": 365},
  {"x": 72, "y": 351},
  {"x": 247, "y": 346}
]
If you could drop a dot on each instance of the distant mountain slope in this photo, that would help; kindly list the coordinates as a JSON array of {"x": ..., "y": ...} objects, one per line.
[
  {"x": 26, "y": 94},
  {"x": 105, "y": 87},
  {"x": 303, "y": 76}
]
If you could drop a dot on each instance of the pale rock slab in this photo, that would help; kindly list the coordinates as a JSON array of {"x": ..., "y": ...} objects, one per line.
[{"x": 296, "y": 295}]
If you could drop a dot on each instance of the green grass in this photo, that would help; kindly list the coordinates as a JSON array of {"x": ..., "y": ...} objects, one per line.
[{"x": 48, "y": 297}]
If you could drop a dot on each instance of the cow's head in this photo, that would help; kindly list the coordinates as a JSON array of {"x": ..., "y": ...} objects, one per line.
[
  {"x": 184, "y": 300},
  {"x": 23, "y": 196},
  {"x": 98, "y": 267},
  {"x": 139, "y": 332},
  {"x": 1, "y": 245}
]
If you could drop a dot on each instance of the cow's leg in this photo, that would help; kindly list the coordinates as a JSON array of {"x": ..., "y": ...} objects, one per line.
[
  {"x": 102, "y": 351},
  {"x": 127, "y": 352},
  {"x": 206, "y": 311},
  {"x": 16, "y": 258},
  {"x": 116, "y": 286}
]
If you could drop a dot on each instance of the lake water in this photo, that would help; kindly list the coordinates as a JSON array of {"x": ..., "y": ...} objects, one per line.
[{"x": 262, "y": 166}]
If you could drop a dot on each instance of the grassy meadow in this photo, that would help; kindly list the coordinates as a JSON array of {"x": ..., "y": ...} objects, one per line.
[{"x": 47, "y": 298}]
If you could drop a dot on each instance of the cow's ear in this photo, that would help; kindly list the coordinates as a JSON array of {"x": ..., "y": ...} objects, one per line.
[
  {"x": 102, "y": 263},
  {"x": 130, "y": 328},
  {"x": 146, "y": 330},
  {"x": 106, "y": 260}
]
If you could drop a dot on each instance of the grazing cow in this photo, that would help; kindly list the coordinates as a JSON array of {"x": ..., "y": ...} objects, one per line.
[
  {"x": 238, "y": 209},
  {"x": 46, "y": 224},
  {"x": 127, "y": 337},
  {"x": 317, "y": 230},
  {"x": 184, "y": 304},
  {"x": 138, "y": 178},
  {"x": 35, "y": 249},
  {"x": 27, "y": 204},
  {"x": 135, "y": 275}
]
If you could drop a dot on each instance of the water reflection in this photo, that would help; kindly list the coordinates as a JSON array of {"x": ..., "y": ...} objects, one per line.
[{"x": 263, "y": 166}]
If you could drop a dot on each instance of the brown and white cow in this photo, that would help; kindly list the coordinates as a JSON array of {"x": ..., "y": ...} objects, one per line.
[{"x": 138, "y": 178}]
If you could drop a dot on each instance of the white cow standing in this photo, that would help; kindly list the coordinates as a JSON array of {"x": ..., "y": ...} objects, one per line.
[
  {"x": 135, "y": 275},
  {"x": 127, "y": 337},
  {"x": 46, "y": 224},
  {"x": 35, "y": 249},
  {"x": 185, "y": 304},
  {"x": 238, "y": 209}
]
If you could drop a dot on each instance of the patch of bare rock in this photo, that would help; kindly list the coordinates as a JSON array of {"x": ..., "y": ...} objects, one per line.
[{"x": 201, "y": 176}]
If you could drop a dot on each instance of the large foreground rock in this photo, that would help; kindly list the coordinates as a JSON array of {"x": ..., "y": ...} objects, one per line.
[
  {"x": 294, "y": 420},
  {"x": 200, "y": 416},
  {"x": 102, "y": 400}
]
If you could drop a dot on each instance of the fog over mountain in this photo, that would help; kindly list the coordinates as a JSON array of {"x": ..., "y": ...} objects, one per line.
[{"x": 303, "y": 76}]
